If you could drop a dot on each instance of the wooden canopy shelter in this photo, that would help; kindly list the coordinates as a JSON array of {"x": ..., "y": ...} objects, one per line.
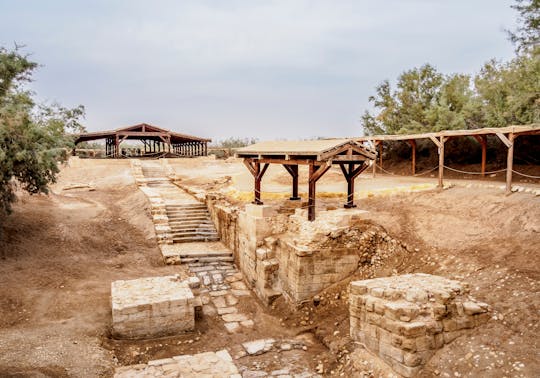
[
  {"x": 507, "y": 135},
  {"x": 155, "y": 141},
  {"x": 319, "y": 155}
]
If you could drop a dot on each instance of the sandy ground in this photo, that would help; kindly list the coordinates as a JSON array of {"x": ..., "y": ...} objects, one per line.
[{"x": 59, "y": 253}]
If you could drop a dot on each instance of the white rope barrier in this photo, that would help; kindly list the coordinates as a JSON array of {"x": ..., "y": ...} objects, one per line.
[
  {"x": 524, "y": 175},
  {"x": 474, "y": 173}
]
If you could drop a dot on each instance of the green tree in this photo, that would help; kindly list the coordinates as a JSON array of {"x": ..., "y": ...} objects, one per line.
[
  {"x": 527, "y": 35},
  {"x": 510, "y": 92},
  {"x": 32, "y": 137},
  {"x": 425, "y": 100},
  {"x": 235, "y": 142}
]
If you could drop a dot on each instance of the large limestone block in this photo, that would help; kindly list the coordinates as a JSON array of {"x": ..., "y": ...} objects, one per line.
[
  {"x": 152, "y": 307},
  {"x": 405, "y": 319}
]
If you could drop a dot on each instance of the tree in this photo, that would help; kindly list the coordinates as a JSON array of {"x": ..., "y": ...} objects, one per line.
[
  {"x": 425, "y": 100},
  {"x": 527, "y": 35},
  {"x": 235, "y": 142},
  {"x": 510, "y": 92},
  {"x": 32, "y": 137}
]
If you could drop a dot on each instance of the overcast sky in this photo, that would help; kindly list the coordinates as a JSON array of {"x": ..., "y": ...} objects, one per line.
[{"x": 244, "y": 68}]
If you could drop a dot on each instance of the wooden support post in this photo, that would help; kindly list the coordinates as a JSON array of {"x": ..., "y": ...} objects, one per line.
[
  {"x": 293, "y": 171},
  {"x": 374, "y": 162},
  {"x": 510, "y": 163},
  {"x": 482, "y": 139},
  {"x": 412, "y": 142},
  {"x": 314, "y": 175},
  {"x": 116, "y": 145},
  {"x": 380, "y": 154},
  {"x": 255, "y": 168},
  {"x": 350, "y": 175},
  {"x": 441, "y": 161},
  {"x": 440, "y": 147},
  {"x": 205, "y": 148}
]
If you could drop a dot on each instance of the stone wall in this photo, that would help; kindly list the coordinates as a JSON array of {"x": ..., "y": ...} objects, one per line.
[
  {"x": 282, "y": 254},
  {"x": 152, "y": 307},
  {"x": 405, "y": 319}
]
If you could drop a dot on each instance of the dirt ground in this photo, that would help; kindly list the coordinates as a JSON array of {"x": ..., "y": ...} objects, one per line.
[{"x": 59, "y": 254}]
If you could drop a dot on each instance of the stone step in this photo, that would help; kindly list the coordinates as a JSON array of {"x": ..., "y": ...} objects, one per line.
[
  {"x": 188, "y": 260},
  {"x": 203, "y": 229},
  {"x": 187, "y": 220},
  {"x": 179, "y": 235},
  {"x": 188, "y": 212},
  {"x": 191, "y": 222},
  {"x": 193, "y": 239},
  {"x": 197, "y": 254},
  {"x": 186, "y": 208},
  {"x": 187, "y": 216},
  {"x": 186, "y": 205},
  {"x": 185, "y": 231}
]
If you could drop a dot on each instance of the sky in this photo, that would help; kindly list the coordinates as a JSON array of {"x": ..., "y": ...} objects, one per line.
[{"x": 290, "y": 69}]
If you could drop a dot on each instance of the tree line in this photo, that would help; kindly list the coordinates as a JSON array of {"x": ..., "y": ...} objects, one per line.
[{"x": 501, "y": 94}]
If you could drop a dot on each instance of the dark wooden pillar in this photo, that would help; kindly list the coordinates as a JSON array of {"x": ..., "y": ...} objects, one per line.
[
  {"x": 376, "y": 144},
  {"x": 255, "y": 168},
  {"x": 380, "y": 154},
  {"x": 205, "y": 148},
  {"x": 293, "y": 171},
  {"x": 315, "y": 173},
  {"x": 116, "y": 147},
  {"x": 350, "y": 175},
  {"x": 412, "y": 142},
  {"x": 482, "y": 139}
]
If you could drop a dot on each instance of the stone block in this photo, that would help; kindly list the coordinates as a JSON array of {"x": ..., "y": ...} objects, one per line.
[
  {"x": 406, "y": 319},
  {"x": 152, "y": 307},
  {"x": 260, "y": 211}
]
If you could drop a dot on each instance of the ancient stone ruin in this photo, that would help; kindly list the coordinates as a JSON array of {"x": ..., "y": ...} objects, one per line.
[
  {"x": 152, "y": 307},
  {"x": 405, "y": 319}
]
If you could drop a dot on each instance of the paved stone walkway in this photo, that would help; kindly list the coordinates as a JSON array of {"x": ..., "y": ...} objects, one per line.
[
  {"x": 221, "y": 290},
  {"x": 210, "y": 364}
]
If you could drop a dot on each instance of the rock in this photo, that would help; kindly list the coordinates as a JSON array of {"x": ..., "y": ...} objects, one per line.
[
  {"x": 258, "y": 346},
  {"x": 232, "y": 327},
  {"x": 285, "y": 346},
  {"x": 226, "y": 310},
  {"x": 238, "y": 285},
  {"x": 247, "y": 323},
  {"x": 240, "y": 293},
  {"x": 219, "y": 302},
  {"x": 234, "y": 317},
  {"x": 254, "y": 347},
  {"x": 231, "y": 300},
  {"x": 253, "y": 374}
]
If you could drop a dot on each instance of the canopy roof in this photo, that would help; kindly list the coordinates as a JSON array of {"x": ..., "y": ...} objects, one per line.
[
  {"x": 140, "y": 131},
  {"x": 319, "y": 150},
  {"x": 533, "y": 128}
]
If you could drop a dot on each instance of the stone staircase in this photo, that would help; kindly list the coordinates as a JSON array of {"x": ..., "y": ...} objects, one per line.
[
  {"x": 153, "y": 171},
  {"x": 190, "y": 223}
]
